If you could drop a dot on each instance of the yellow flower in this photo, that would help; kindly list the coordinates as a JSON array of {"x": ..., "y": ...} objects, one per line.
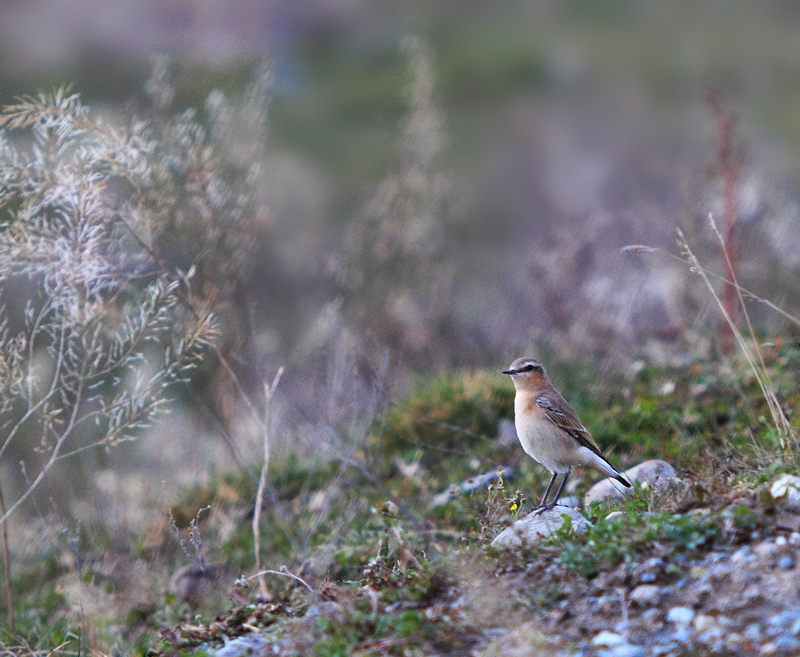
[{"x": 514, "y": 507}]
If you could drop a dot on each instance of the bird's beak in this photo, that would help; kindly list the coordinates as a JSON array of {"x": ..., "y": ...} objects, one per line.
[{"x": 509, "y": 371}]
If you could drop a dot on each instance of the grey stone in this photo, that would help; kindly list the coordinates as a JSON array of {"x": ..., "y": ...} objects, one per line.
[
  {"x": 786, "y": 562},
  {"x": 788, "y": 520},
  {"x": 742, "y": 555},
  {"x": 244, "y": 646},
  {"x": 645, "y": 595},
  {"x": 795, "y": 628},
  {"x": 784, "y": 619},
  {"x": 471, "y": 484},
  {"x": 655, "y": 473},
  {"x": 534, "y": 527},
  {"x": 682, "y": 635},
  {"x": 787, "y": 645},
  {"x": 766, "y": 549},
  {"x": 681, "y": 615},
  {"x": 753, "y": 632},
  {"x": 651, "y": 616}
]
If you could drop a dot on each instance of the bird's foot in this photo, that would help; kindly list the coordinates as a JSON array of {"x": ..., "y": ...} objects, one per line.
[{"x": 546, "y": 507}]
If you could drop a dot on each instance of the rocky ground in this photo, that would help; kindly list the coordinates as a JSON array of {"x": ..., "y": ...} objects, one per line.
[
  {"x": 740, "y": 598},
  {"x": 721, "y": 578},
  {"x": 734, "y": 601}
]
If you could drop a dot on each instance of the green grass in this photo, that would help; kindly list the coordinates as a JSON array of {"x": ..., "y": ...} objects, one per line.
[{"x": 410, "y": 562}]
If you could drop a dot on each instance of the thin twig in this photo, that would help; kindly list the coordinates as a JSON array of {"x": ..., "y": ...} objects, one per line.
[
  {"x": 283, "y": 571},
  {"x": 7, "y": 564},
  {"x": 269, "y": 391}
]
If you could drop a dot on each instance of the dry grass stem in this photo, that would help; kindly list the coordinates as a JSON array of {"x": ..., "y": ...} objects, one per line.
[{"x": 269, "y": 391}]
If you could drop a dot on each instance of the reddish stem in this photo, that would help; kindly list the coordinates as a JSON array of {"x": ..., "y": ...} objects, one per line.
[{"x": 726, "y": 160}]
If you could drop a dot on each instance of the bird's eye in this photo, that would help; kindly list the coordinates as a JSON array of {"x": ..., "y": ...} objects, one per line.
[{"x": 529, "y": 367}]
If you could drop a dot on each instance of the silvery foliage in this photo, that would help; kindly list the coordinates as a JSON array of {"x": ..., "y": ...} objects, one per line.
[{"x": 109, "y": 327}]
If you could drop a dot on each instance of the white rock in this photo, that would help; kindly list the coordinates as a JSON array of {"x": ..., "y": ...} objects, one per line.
[
  {"x": 645, "y": 595},
  {"x": 655, "y": 473},
  {"x": 534, "y": 527},
  {"x": 704, "y": 623},
  {"x": 786, "y": 486},
  {"x": 766, "y": 549},
  {"x": 682, "y": 615},
  {"x": 608, "y": 639},
  {"x": 614, "y": 514}
]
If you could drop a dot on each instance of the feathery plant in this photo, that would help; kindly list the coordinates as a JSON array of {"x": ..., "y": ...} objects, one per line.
[
  {"x": 747, "y": 340},
  {"x": 110, "y": 325}
]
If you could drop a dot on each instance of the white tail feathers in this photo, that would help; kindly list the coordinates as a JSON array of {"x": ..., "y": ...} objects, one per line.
[{"x": 599, "y": 463}]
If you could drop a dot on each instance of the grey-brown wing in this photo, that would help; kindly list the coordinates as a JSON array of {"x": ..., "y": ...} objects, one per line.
[{"x": 560, "y": 413}]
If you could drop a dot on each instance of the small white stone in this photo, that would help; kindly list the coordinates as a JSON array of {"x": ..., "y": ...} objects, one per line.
[
  {"x": 765, "y": 549},
  {"x": 645, "y": 595},
  {"x": 704, "y": 623},
  {"x": 683, "y": 615},
  {"x": 740, "y": 555},
  {"x": 794, "y": 538},
  {"x": 768, "y": 649},
  {"x": 787, "y": 486},
  {"x": 666, "y": 388},
  {"x": 614, "y": 514},
  {"x": 780, "y": 541},
  {"x": 608, "y": 639}
]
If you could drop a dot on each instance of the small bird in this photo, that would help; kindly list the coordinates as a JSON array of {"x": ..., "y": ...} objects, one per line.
[{"x": 550, "y": 431}]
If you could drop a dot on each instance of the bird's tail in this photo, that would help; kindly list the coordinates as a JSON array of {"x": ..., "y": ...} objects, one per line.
[{"x": 604, "y": 466}]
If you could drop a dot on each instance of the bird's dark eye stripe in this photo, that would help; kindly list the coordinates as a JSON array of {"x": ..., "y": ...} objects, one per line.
[{"x": 529, "y": 367}]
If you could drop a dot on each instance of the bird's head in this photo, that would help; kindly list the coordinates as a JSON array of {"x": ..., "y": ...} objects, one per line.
[{"x": 528, "y": 374}]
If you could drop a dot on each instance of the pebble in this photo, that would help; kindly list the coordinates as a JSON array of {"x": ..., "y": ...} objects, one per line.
[
  {"x": 787, "y": 486},
  {"x": 683, "y": 615},
  {"x": 787, "y": 645},
  {"x": 765, "y": 549},
  {"x": 651, "y": 616},
  {"x": 645, "y": 595},
  {"x": 241, "y": 647},
  {"x": 794, "y": 538},
  {"x": 786, "y": 562},
  {"x": 614, "y": 514},
  {"x": 768, "y": 649},
  {"x": 682, "y": 635},
  {"x": 784, "y": 619},
  {"x": 753, "y": 632},
  {"x": 795, "y": 628},
  {"x": 704, "y": 623},
  {"x": 742, "y": 554},
  {"x": 608, "y": 639}
]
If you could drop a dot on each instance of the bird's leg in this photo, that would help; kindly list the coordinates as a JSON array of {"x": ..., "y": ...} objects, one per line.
[
  {"x": 561, "y": 486},
  {"x": 547, "y": 490}
]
